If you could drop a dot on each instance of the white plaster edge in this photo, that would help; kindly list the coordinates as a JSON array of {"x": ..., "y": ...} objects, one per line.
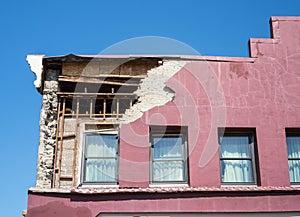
[
  {"x": 49, "y": 190},
  {"x": 153, "y": 91},
  {"x": 35, "y": 62}
]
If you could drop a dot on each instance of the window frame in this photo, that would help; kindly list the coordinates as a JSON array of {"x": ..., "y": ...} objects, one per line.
[
  {"x": 165, "y": 132},
  {"x": 252, "y": 145},
  {"x": 292, "y": 132},
  {"x": 111, "y": 131}
]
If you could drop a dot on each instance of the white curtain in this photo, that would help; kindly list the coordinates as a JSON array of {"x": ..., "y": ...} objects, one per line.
[
  {"x": 100, "y": 158},
  {"x": 235, "y": 169},
  {"x": 168, "y": 171},
  {"x": 168, "y": 159},
  {"x": 293, "y": 145}
]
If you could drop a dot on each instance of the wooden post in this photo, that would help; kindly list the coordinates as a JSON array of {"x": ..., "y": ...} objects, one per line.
[
  {"x": 91, "y": 107},
  {"x": 104, "y": 108},
  {"x": 61, "y": 140},
  {"x": 118, "y": 107},
  {"x": 75, "y": 144},
  {"x": 56, "y": 145},
  {"x": 77, "y": 108}
]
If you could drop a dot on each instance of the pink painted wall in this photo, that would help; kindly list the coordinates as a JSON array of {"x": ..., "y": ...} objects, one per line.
[
  {"x": 92, "y": 205},
  {"x": 260, "y": 92}
]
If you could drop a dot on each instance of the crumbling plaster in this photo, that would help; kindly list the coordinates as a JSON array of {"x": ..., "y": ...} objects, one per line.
[
  {"x": 47, "y": 144},
  {"x": 36, "y": 65},
  {"x": 152, "y": 90}
]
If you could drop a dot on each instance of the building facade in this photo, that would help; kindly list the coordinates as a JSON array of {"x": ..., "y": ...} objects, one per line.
[{"x": 152, "y": 135}]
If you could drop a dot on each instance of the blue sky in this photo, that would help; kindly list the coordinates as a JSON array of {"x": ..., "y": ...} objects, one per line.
[{"x": 214, "y": 27}]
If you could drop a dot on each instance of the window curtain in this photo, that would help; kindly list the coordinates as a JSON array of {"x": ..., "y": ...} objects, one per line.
[
  {"x": 235, "y": 169},
  {"x": 168, "y": 159},
  {"x": 293, "y": 145},
  {"x": 100, "y": 158}
]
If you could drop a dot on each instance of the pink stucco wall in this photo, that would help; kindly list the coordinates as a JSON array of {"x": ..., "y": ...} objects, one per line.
[
  {"x": 92, "y": 205},
  {"x": 260, "y": 92}
]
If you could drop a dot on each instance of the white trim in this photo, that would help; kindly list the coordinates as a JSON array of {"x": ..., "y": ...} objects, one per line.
[{"x": 35, "y": 62}]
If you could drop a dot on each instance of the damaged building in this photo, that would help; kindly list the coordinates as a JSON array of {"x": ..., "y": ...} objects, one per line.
[{"x": 166, "y": 135}]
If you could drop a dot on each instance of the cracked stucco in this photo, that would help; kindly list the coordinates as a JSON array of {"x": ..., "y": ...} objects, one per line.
[{"x": 153, "y": 91}]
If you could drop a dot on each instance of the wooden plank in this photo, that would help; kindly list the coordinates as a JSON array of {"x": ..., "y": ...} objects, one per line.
[
  {"x": 66, "y": 177},
  {"x": 95, "y": 81},
  {"x": 95, "y": 94},
  {"x": 67, "y": 136},
  {"x": 119, "y": 76},
  {"x": 94, "y": 115}
]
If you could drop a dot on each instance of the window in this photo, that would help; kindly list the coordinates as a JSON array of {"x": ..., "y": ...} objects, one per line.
[
  {"x": 100, "y": 157},
  {"x": 237, "y": 156},
  {"x": 168, "y": 155},
  {"x": 293, "y": 149}
]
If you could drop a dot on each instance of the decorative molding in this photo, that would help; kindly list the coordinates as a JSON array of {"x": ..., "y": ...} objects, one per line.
[{"x": 35, "y": 62}]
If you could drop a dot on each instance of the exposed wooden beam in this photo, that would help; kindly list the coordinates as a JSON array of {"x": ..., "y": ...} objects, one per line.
[
  {"x": 119, "y": 76},
  {"x": 67, "y": 136},
  {"x": 95, "y": 81},
  {"x": 62, "y": 94}
]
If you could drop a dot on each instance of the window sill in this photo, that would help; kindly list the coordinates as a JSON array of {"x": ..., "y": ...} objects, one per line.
[
  {"x": 295, "y": 184},
  {"x": 174, "y": 185},
  {"x": 239, "y": 184},
  {"x": 83, "y": 186}
]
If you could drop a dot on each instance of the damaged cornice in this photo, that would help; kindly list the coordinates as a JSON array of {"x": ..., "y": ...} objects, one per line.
[{"x": 35, "y": 62}]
